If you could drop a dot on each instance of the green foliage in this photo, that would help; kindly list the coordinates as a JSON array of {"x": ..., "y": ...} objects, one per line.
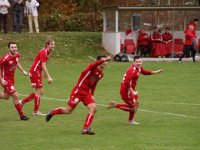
[
  {"x": 75, "y": 23},
  {"x": 91, "y": 22}
]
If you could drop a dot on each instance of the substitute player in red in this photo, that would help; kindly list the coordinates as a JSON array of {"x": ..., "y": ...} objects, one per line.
[
  {"x": 8, "y": 64},
  {"x": 188, "y": 45},
  {"x": 84, "y": 91},
  {"x": 167, "y": 40},
  {"x": 128, "y": 90},
  {"x": 36, "y": 69}
]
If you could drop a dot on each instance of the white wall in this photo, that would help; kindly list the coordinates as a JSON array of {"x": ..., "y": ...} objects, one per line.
[{"x": 111, "y": 42}]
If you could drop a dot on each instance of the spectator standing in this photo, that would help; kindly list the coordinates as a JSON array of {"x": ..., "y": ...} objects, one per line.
[
  {"x": 32, "y": 13},
  {"x": 17, "y": 15},
  {"x": 4, "y": 5}
]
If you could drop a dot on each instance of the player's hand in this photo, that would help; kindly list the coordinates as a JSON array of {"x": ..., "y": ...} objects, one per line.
[
  {"x": 25, "y": 73},
  {"x": 109, "y": 57},
  {"x": 50, "y": 80},
  {"x": 159, "y": 71},
  {"x": 3, "y": 82}
]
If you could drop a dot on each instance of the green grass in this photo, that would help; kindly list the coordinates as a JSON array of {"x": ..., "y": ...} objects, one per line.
[
  {"x": 71, "y": 47},
  {"x": 169, "y": 92},
  {"x": 163, "y": 99}
]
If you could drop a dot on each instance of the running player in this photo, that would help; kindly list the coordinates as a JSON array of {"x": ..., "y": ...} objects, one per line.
[
  {"x": 8, "y": 64},
  {"x": 84, "y": 92},
  {"x": 36, "y": 69},
  {"x": 188, "y": 45},
  {"x": 128, "y": 89}
]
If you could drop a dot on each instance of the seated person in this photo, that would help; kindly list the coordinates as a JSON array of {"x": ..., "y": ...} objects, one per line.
[
  {"x": 143, "y": 43},
  {"x": 167, "y": 39},
  {"x": 158, "y": 47},
  {"x": 128, "y": 30}
]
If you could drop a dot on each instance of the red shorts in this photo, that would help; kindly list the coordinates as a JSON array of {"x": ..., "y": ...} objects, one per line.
[
  {"x": 129, "y": 98},
  {"x": 85, "y": 99},
  {"x": 9, "y": 88},
  {"x": 36, "y": 79}
]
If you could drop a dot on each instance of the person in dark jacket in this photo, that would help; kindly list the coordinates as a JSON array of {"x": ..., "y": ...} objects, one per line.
[{"x": 17, "y": 15}]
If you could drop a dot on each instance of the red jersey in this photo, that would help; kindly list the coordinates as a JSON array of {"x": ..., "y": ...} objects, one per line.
[
  {"x": 42, "y": 56},
  {"x": 131, "y": 76},
  {"x": 156, "y": 37},
  {"x": 189, "y": 36},
  {"x": 88, "y": 79},
  {"x": 128, "y": 31},
  {"x": 143, "y": 39},
  {"x": 167, "y": 37},
  {"x": 193, "y": 24},
  {"x": 8, "y": 64}
]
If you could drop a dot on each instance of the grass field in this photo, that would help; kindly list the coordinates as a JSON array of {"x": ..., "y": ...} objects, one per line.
[{"x": 168, "y": 112}]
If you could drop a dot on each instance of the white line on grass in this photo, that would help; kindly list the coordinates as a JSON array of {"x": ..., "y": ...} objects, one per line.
[
  {"x": 192, "y": 104},
  {"x": 149, "y": 111},
  {"x": 166, "y": 113},
  {"x": 91, "y": 57}
]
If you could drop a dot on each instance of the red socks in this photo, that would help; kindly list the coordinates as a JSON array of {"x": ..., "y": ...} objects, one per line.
[
  {"x": 124, "y": 107},
  {"x": 57, "y": 111},
  {"x": 37, "y": 103},
  {"x": 19, "y": 109},
  {"x": 131, "y": 116},
  {"x": 88, "y": 121},
  {"x": 28, "y": 98}
]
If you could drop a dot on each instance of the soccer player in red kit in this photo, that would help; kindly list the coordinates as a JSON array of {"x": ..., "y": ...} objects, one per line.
[
  {"x": 36, "y": 69},
  {"x": 193, "y": 23},
  {"x": 8, "y": 64},
  {"x": 188, "y": 44},
  {"x": 83, "y": 91},
  {"x": 128, "y": 90}
]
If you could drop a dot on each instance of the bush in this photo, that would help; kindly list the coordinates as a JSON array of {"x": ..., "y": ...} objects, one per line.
[{"x": 81, "y": 22}]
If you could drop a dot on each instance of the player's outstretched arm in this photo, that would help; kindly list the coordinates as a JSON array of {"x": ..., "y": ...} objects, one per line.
[
  {"x": 109, "y": 57},
  {"x": 21, "y": 69},
  {"x": 157, "y": 71}
]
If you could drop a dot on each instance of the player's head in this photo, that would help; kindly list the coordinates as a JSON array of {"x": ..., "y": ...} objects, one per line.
[
  {"x": 12, "y": 46},
  {"x": 156, "y": 29},
  {"x": 102, "y": 57},
  {"x": 196, "y": 20},
  {"x": 50, "y": 44},
  {"x": 137, "y": 60},
  {"x": 142, "y": 30},
  {"x": 191, "y": 27},
  {"x": 167, "y": 29}
]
